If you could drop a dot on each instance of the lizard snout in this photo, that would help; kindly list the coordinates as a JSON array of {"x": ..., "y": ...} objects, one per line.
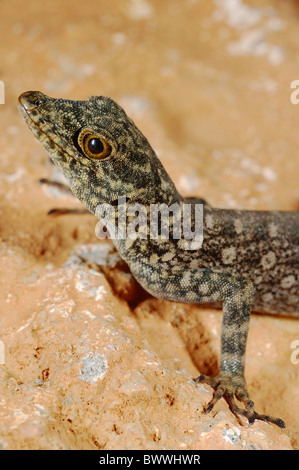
[{"x": 31, "y": 100}]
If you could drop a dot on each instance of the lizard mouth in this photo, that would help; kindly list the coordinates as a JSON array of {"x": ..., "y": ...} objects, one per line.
[{"x": 30, "y": 105}]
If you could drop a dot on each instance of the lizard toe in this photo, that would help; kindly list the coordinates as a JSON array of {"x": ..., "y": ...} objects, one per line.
[{"x": 231, "y": 388}]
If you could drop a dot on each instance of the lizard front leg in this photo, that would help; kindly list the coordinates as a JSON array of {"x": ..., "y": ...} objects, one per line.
[
  {"x": 237, "y": 296},
  {"x": 66, "y": 189}
]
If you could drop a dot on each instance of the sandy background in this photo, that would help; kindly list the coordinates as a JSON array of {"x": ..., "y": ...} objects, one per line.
[{"x": 90, "y": 360}]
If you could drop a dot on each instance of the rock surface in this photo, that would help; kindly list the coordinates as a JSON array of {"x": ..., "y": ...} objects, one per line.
[{"x": 90, "y": 361}]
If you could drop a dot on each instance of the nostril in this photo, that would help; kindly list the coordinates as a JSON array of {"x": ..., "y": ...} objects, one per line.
[
  {"x": 37, "y": 102},
  {"x": 30, "y": 100}
]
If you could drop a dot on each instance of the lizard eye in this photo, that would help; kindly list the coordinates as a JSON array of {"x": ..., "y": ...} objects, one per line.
[{"x": 93, "y": 146}]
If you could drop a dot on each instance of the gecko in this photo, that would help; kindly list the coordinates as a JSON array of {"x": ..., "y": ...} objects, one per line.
[{"x": 247, "y": 260}]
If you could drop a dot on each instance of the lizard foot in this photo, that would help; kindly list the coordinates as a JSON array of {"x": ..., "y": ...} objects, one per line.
[{"x": 230, "y": 386}]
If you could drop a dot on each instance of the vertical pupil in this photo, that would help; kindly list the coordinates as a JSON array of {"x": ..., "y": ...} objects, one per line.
[{"x": 95, "y": 145}]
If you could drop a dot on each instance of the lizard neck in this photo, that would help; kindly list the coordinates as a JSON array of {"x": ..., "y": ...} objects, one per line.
[{"x": 131, "y": 219}]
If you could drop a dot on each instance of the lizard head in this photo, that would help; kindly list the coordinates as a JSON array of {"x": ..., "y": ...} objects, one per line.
[{"x": 98, "y": 148}]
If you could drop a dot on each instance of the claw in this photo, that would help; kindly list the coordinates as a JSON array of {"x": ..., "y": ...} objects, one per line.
[{"x": 229, "y": 387}]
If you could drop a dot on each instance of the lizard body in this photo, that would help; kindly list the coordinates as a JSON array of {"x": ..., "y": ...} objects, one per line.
[{"x": 247, "y": 260}]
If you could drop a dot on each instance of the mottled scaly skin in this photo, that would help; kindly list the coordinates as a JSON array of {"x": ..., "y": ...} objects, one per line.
[{"x": 247, "y": 260}]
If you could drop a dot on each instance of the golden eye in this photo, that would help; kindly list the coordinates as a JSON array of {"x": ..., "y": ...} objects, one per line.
[{"x": 93, "y": 146}]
